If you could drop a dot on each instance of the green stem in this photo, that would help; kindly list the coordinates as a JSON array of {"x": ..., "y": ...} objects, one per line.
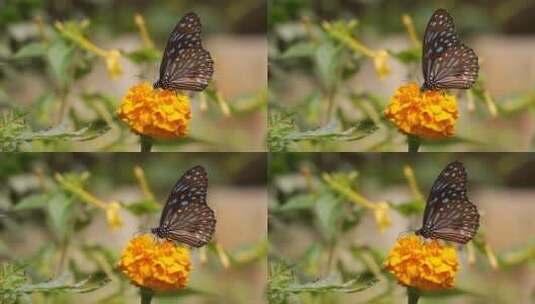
[
  {"x": 146, "y": 143},
  {"x": 146, "y": 295},
  {"x": 413, "y": 294},
  {"x": 414, "y": 143}
]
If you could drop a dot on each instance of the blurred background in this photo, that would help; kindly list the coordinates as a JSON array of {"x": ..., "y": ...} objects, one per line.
[
  {"x": 50, "y": 231},
  {"x": 326, "y": 95},
  {"x": 56, "y": 94},
  {"x": 324, "y": 243}
]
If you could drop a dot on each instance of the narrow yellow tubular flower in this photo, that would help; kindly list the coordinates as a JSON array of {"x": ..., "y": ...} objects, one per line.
[
  {"x": 491, "y": 105},
  {"x": 223, "y": 105},
  {"x": 160, "y": 266},
  {"x": 493, "y": 261},
  {"x": 411, "y": 179},
  {"x": 112, "y": 56},
  {"x": 411, "y": 30},
  {"x": 112, "y": 62},
  {"x": 112, "y": 215},
  {"x": 143, "y": 184},
  {"x": 380, "y": 209},
  {"x": 112, "y": 208},
  {"x": 380, "y": 61},
  {"x": 156, "y": 113},
  {"x": 223, "y": 257},
  {"x": 142, "y": 27},
  {"x": 342, "y": 32},
  {"x": 429, "y": 114},
  {"x": 426, "y": 266}
]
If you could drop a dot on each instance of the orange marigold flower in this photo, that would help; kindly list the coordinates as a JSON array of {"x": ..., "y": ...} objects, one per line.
[
  {"x": 160, "y": 266},
  {"x": 426, "y": 266},
  {"x": 155, "y": 113},
  {"x": 428, "y": 114}
]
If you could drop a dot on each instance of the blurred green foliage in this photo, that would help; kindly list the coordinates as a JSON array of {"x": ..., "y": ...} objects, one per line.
[
  {"x": 320, "y": 250},
  {"x": 48, "y": 215},
  {"x": 317, "y": 51},
  {"x": 50, "y": 46}
]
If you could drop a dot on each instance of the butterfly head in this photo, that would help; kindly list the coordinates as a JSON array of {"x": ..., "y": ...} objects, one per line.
[
  {"x": 424, "y": 87},
  {"x": 423, "y": 232},
  {"x": 159, "y": 232},
  {"x": 158, "y": 84},
  {"x": 427, "y": 86}
]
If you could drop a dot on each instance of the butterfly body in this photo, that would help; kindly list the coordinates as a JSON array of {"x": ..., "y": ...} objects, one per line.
[
  {"x": 185, "y": 65},
  {"x": 447, "y": 63},
  {"x": 449, "y": 215},
  {"x": 186, "y": 217}
]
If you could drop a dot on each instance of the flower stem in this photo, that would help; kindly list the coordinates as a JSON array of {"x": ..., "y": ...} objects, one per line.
[
  {"x": 146, "y": 295},
  {"x": 414, "y": 143},
  {"x": 146, "y": 143},
  {"x": 413, "y": 294}
]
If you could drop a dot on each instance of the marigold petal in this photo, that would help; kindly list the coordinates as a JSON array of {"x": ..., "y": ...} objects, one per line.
[
  {"x": 427, "y": 266},
  {"x": 428, "y": 114},
  {"x": 156, "y": 113},
  {"x": 160, "y": 266}
]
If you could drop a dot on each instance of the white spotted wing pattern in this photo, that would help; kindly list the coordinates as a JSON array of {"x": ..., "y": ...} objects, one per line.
[
  {"x": 447, "y": 63},
  {"x": 186, "y": 65},
  {"x": 186, "y": 217},
  {"x": 449, "y": 215}
]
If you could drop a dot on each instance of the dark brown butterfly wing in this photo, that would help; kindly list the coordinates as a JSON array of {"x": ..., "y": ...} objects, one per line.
[
  {"x": 448, "y": 214},
  {"x": 186, "y": 65},
  {"x": 450, "y": 184},
  {"x": 186, "y": 217},
  {"x": 193, "y": 225},
  {"x": 446, "y": 62},
  {"x": 456, "y": 221}
]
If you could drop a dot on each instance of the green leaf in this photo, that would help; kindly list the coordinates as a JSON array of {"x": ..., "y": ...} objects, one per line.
[
  {"x": 143, "y": 207},
  {"x": 144, "y": 55},
  {"x": 301, "y": 49},
  {"x": 299, "y": 202},
  {"x": 59, "y": 57},
  {"x": 33, "y": 202},
  {"x": 60, "y": 133},
  {"x": 35, "y": 49},
  {"x": 58, "y": 209},
  {"x": 332, "y": 132},
  {"x": 327, "y": 65},
  {"x": 409, "y": 208},
  {"x": 249, "y": 253},
  {"x": 413, "y": 55},
  {"x": 328, "y": 211},
  {"x": 334, "y": 284},
  {"x": 11, "y": 279},
  {"x": 62, "y": 284}
]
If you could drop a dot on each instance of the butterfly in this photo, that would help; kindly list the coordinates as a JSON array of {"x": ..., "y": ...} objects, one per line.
[
  {"x": 447, "y": 63},
  {"x": 186, "y": 218},
  {"x": 449, "y": 215},
  {"x": 186, "y": 65}
]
